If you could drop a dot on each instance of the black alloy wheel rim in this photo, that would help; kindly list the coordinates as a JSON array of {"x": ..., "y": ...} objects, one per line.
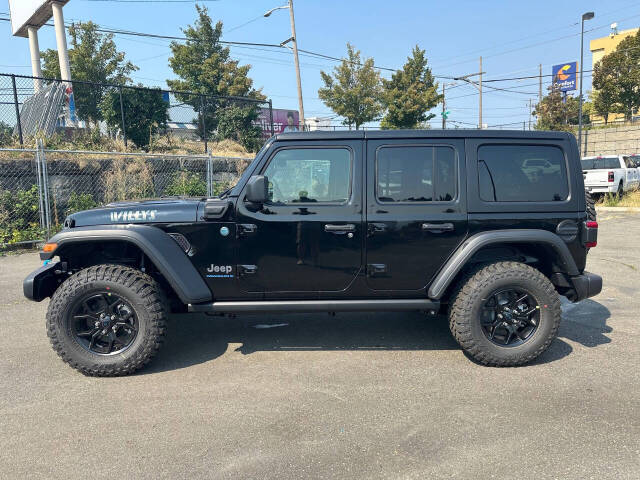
[
  {"x": 104, "y": 323},
  {"x": 509, "y": 317}
]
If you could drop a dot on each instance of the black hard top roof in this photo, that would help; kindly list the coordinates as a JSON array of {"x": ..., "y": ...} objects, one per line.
[{"x": 451, "y": 133}]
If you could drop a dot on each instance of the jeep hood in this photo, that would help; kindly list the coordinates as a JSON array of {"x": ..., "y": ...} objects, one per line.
[{"x": 144, "y": 211}]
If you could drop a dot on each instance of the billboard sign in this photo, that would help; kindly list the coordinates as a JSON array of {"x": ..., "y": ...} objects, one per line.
[
  {"x": 283, "y": 121},
  {"x": 564, "y": 76},
  {"x": 29, "y": 12}
]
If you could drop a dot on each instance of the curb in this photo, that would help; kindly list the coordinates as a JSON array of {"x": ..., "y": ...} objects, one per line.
[{"x": 617, "y": 209}]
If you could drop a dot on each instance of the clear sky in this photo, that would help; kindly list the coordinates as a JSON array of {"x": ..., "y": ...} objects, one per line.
[{"x": 513, "y": 37}]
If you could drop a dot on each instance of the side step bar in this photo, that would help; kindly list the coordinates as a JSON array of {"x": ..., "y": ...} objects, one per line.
[{"x": 297, "y": 306}]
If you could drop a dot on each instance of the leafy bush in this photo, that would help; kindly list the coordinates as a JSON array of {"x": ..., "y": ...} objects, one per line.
[
  {"x": 19, "y": 216},
  {"x": 186, "y": 183},
  {"x": 79, "y": 202},
  {"x": 6, "y": 134}
]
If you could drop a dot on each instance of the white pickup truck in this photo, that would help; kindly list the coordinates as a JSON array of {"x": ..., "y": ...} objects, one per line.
[{"x": 610, "y": 174}]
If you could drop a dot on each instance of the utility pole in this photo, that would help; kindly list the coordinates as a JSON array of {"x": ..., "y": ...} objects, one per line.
[
  {"x": 478, "y": 85},
  {"x": 444, "y": 118},
  {"x": 540, "y": 86},
  {"x": 529, "y": 114},
  {"x": 480, "y": 106},
  {"x": 297, "y": 63}
]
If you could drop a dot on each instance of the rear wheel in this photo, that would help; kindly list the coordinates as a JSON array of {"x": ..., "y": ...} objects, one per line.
[
  {"x": 107, "y": 320},
  {"x": 505, "y": 314},
  {"x": 620, "y": 190}
]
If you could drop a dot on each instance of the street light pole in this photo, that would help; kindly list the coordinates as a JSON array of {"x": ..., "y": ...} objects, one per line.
[
  {"x": 585, "y": 16},
  {"x": 296, "y": 61},
  {"x": 480, "y": 88}
]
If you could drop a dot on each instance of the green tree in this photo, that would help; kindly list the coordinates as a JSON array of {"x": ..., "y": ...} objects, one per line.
[
  {"x": 205, "y": 67},
  {"x": 354, "y": 90},
  {"x": 618, "y": 75},
  {"x": 603, "y": 101},
  {"x": 145, "y": 113},
  {"x": 93, "y": 57},
  {"x": 410, "y": 93},
  {"x": 556, "y": 113}
]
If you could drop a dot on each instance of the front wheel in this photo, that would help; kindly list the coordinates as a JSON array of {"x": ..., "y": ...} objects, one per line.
[
  {"x": 107, "y": 320},
  {"x": 505, "y": 314}
]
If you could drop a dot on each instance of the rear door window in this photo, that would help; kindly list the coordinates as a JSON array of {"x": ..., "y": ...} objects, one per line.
[
  {"x": 415, "y": 174},
  {"x": 522, "y": 173}
]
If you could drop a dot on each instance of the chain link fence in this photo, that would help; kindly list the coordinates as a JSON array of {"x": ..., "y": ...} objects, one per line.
[
  {"x": 40, "y": 187},
  {"x": 95, "y": 114}
]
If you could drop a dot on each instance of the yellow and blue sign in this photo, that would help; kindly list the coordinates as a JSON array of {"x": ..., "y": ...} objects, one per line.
[{"x": 564, "y": 76}]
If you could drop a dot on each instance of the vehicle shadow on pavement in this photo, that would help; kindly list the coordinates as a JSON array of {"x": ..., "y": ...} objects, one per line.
[
  {"x": 195, "y": 339},
  {"x": 584, "y": 322}
]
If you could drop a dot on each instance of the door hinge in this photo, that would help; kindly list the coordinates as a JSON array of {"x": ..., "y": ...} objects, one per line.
[
  {"x": 245, "y": 229},
  {"x": 246, "y": 270}
]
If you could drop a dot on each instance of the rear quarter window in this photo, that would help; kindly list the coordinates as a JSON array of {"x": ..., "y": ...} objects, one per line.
[{"x": 522, "y": 173}]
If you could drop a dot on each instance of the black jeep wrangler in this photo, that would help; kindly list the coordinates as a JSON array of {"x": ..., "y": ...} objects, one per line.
[{"x": 490, "y": 227}]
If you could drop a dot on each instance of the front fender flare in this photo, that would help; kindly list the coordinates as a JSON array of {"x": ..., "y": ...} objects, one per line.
[
  {"x": 162, "y": 250},
  {"x": 480, "y": 240}
]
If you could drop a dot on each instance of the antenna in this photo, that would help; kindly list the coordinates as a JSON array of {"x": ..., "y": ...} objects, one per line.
[{"x": 614, "y": 29}]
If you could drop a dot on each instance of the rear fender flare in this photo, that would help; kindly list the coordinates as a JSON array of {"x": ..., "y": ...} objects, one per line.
[
  {"x": 160, "y": 248},
  {"x": 473, "y": 244}
]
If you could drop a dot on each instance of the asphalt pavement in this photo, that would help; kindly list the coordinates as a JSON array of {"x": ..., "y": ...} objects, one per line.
[{"x": 352, "y": 396}]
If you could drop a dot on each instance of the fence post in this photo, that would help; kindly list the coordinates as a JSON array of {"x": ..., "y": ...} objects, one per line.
[
  {"x": 45, "y": 187},
  {"x": 273, "y": 132},
  {"x": 17, "y": 105},
  {"x": 40, "y": 188},
  {"x": 209, "y": 175},
  {"x": 204, "y": 124},
  {"x": 124, "y": 126}
]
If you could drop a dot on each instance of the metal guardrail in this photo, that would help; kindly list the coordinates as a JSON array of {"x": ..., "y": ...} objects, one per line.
[{"x": 40, "y": 187}]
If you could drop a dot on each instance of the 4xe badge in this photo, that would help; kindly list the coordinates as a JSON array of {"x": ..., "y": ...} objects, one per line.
[
  {"x": 133, "y": 215},
  {"x": 220, "y": 271}
]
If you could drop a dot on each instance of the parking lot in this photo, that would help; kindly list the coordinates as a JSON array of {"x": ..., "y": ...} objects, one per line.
[{"x": 315, "y": 396}]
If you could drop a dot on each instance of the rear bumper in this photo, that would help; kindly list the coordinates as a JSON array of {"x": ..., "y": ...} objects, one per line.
[
  {"x": 613, "y": 188},
  {"x": 586, "y": 285}
]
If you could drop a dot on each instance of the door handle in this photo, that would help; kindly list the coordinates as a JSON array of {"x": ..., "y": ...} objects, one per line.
[
  {"x": 348, "y": 228},
  {"x": 437, "y": 227}
]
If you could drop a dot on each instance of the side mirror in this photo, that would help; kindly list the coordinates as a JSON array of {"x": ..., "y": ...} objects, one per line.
[{"x": 257, "y": 189}]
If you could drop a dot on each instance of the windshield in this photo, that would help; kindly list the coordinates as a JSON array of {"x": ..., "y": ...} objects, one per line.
[{"x": 600, "y": 163}]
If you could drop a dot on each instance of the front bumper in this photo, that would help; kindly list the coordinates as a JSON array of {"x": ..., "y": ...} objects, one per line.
[
  {"x": 41, "y": 283},
  {"x": 586, "y": 285}
]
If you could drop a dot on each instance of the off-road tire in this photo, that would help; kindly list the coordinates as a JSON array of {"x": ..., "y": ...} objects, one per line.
[
  {"x": 591, "y": 206},
  {"x": 140, "y": 290},
  {"x": 470, "y": 295}
]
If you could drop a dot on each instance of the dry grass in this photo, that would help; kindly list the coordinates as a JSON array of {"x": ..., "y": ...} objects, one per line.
[
  {"x": 630, "y": 199},
  {"x": 225, "y": 148}
]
